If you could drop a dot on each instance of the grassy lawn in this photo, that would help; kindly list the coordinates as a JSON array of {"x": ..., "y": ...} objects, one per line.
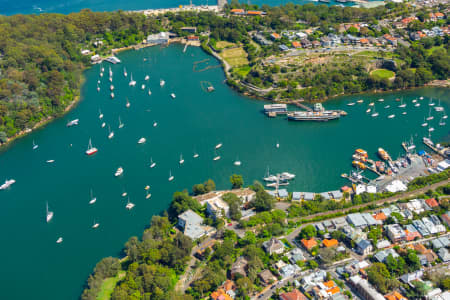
[
  {"x": 243, "y": 71},
  {"x": 223, "y": 44},
  {"x": 432, "y": 49},
  {"x": 235, "y": 57},
  {"x": 108, "y": 286},
  {"x": 382, "y": 73}
]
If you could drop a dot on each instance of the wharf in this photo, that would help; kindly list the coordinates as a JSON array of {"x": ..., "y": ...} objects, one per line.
[
  {"x": 434, "y": 148},
  {"x": 374, "y": 169},
  {"x": 301, "y": 105}
]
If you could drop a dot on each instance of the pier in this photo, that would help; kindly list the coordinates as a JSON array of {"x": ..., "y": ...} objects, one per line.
[
  {"x": 431, "y": 145},
  {"x": 299, "y": 103}
]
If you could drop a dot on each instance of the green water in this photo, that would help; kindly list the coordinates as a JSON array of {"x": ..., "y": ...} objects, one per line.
[{"x": 35, "y": 267}]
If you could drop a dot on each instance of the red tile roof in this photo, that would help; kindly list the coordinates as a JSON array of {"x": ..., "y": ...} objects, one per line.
[
  {"x": 308, "y": 244},
  {"x": 431, "y": 202},
  {"x": 294, "y": 295},
  {"x": 330, "y": 243}
]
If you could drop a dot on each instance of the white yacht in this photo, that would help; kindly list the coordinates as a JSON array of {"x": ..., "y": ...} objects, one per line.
[
  {"x": 404, "y": 113},
  {"x": 162, "y": 83},
  {"x": 111, "y": 87},
  {"x": 431, "y": 103},
  {"x": 35, "y": 146},
  {"x": 351, "y": 104},
  {"x": 237, "y": 162},
  {"x": 59, "y": 240},
  {"x": 155, "y": 124},
  {"x": 143, "y": 87},
  {"x": 181, "y": 159},
  {"x": 170, "y": 176},
  {"x": 421, "y": 98},
  {"x": 391, "y": 116},
  {"x": 100, "y": 115},
  {"x": 149, "y": 92},
  {"x": 371, "y": 104},
  {"x": 50, "y": 161},
  {"x": 269, "y": 177},
  {"x": 402, "y": 105},
  {"x": 128, "y": 104},
  {"x": 360, "y": 101},
  {"x": 142, "y": 140},
  {"x": 120, "y": 123},
  {"x": 277, "y": 145},
  {"x": 219, "y": 145},
  {"x": 95, "y": 225},
  {"x": 424, "y": 124},
  {"x": 374, "y": 114},
  {"x": 93, "y": 199},
  {"x": 49, "y": 214},
  {"x": 118, "y": 172},
  {"x": 125, "y": 72},
  {"x": 380, "y": 100},
  {"x": 417, "y": 104},
  {"x": 103, "y": 125},
  {"x": 111, "y": 133},
  {"x": 430, "y": 129},
  {"x": 146, "y": 77},
  {"x": 430, "y": 117},
  {"x": 147, "y": 195},
  {"x": 112, "y": 95},
  {"x": 173, "y": 96},
  {"x": 7, "y": 184},
  {"x": 439, "y": 107},
  {"x": 129, "y": 205},
  {"x": 387, "y": 106}
]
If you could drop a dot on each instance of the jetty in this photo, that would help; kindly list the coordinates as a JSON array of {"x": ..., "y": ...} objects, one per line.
[
  {"x": 432, "y": 146},
  {"x": 299, "y": 103}
]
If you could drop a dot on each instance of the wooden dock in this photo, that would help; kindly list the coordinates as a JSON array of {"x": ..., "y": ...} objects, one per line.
[
  {"x": 432, "y": 147},
  {"x": 301, "y": 105}
]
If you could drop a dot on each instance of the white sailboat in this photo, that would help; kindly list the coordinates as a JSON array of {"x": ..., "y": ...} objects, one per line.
[
  {"x": 155, "y": 124},
  {"x": 91, "y": 150},
  {"x": 171, "y": 176},
  {"x": 93, "y": 199},
  {"x": 143, "y": 87},
  {"x": 110, "y": 72},
  {"x": 421, "y": 98},
  {"x": 404, "y": 113},
  {"x": 402, "y": 105},
  {"x": 120, "y": 123},
  {"x": 277, "y": 145},
  {"x": 430, "y": 129},
  {"x": 118, "y": 172},
  {"x": 142, "y": 140},
  {"x": 439, "y": 107},
  {"x": 125, "y": 72},
  {"x": 219, "y": 145},
  {"x": 112, "y": 95},
  {"x": 95, "y": 225},
  {"x": 387, "y": 106},
  {"x": 441, "y": 122},
  {"x": 49, "y": 214},
  {"x": 111, "y": 87},
  {"x": 103, "y": 125},
  {"x": 431, "y": 103},
  {"x": 101, "y": 74},
  {"x": 417, "y": 104},
  {"x": 110, "y": 79},
  {"x": 152, "y": 163},
  {"x": 237, "y": 162},
  {"x": 100, "y": 115},
  {"x": 374, "y": 114},
  {"x": 444, "y": 116},
  {"x": 111, "y": 133},
  {"x": 59, "y": 240},
  {"x": 128, "y": 104},
  {"x": 430, "y": 117},
  {"x": 129, "y": 205},
  {"x": 371, "y": 104},
  {"x": 98, "y": 88},
  {"x": 173, "y": 96},
  {"x": 380, "y": 100},
  {"x": 368, "y": 110},
  {"x": 216, "y": 157},
  {"x": 161, "y": 83},
  {"x": 147, "y": 194},
  {"x": 35, "y": 146},
  {"x": 424, "y": 124},
  {"x": 50, "y": 161},
  {"x": 196, "y": 155},
  {"x": 181, "y": 159},
  {"x": 351, "y": 103},
  {"x": 391, "y": 116},
  {"x": 149, "y": 92},
  {"x": 132, "y": 82},
  {"x": 146, "y": 77}
]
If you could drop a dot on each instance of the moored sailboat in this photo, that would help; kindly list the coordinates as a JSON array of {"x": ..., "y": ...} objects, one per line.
[
  {"x": 49, "y": 214},
  {"x": 91, "y": 150}
]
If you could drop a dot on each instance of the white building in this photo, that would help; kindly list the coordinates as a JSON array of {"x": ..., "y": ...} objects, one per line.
[{"x": 217, "y": 208}]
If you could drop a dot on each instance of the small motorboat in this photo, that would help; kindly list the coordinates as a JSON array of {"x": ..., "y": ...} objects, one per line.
[
  {"x": 152, "y": 163},
  {"x": 351, "y": 104},
  {"x": 155, "y": 124},
  {"x": 380, "y": 100},
  {"x": 171, "y": 176},
  {"x": 50, "y": 161},
  {"x": 391, "y": 116},
  {"x": 237, "y": 163},
  {"x": 103, "y": 125},
  {"x": 360, "y": 101},
  {"x": 387, "y": 106},
  {"x": 219, "y": 145},
  {"x": 95, "y": 225},
  {"x": 141, "y": 140},
  {"x": 195, "y": 155}
]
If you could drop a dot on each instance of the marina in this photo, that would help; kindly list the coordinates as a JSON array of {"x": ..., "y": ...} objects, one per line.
[{"x": 317, "y": 153}]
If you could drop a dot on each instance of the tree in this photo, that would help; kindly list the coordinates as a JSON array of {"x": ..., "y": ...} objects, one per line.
[
  {"x": 307, "y": 232},
  {"x": 3, "y": 137},
  {"x": 107, "y": 267},
  {"x": 263, "y": 201},
  {"x": 244, "y": 285},
  {"x": 234, "y": 203},
  {"x": 236, "y": 181},
  {"x": 379, "y": 276}
]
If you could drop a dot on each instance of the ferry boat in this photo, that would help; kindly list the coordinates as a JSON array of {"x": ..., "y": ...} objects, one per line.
[
  {"x": 383, "y": 154},
  {"x": 318, "y": 114},
  {"x": 49, "y": 214},
  {"x": 73, "y": 123},
  {"x": 59, "y": 240},
  {"x": 7, "y": 184},
  {"x": 142, "y": 140},
  {"x": 161, "y": 83},
  {"x": 118, "y": 172},
  {"x": 91, "y": 150},
  {"x": 358, "y": 164}
]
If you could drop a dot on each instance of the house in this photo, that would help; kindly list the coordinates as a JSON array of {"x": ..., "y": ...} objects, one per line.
[
  {"x": 316, "y": 44},
  {"x": 275, "y": 36},
  {"x": 364, "y": 247},
  {"x": 85, "y": 52},
  {"x": 412, "y": 235},
  {"x": 256, "y": 13},
  {"x": 330, "y": 243},
  {"x": 306, "y": 195},
  {"x": 190, "y": 223},
  {"x": 431, "y": 202},
  {"x": 282, "y": 48},
  {"x": 273, "y": 246},
  {"x": 383, "y": 254},
  {"x": 283, "y": 193},
  {"x": 306, "y": 44},
  {"x": 209, "y": 245},
  {"x": 189, "y": 29},
  {"x": 446, "y": 218},
  {"x": 407, "y": 278},
  {"x": 444, "y": 254},
  {"x": 296, "y": 45},
  {"x": 325, "y": 41},
  {"x": 158, "y": 38},
  {"x": 95, "y": 59},
  {"x": 293, "y": 295},
  {"x": 289, "y": 270},
  {"x": 395, "y": 233},
  {"x": 380, "y": 216},
  {"x": 267, "y": 277},
  {"x": 391, "y": 40},
  {"x": 238, "y": 11},
  {"x": 217, "y": 208},
  {"x": 336, "y": 195},
  {"x": 441, "y": 242},
  {"x": 246, "y": 195},
  {"x": 239, "y": 267},
  {"x": 296, "y": 255},
  {"x": 364, "y": 41},
  {"x": 309, "y": 244},
  {"x": 356, "y": 220},
  {"x": 395, "y": 296},
  {"x": 193, "y": 38},
  {"x": 339, "y": 222},
  {"x": 226, "y": 291},
  {"x": 260, "y": 39},
  {"x": 383, "y": 244},
  {"x": 364, "y": 289}
]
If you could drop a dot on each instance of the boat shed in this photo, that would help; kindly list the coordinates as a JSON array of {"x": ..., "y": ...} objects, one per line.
[
  {"x": 296, "y": 196},
  {"x": 283, "y": 193},
  {"x": 308, "y": 196},
  {"x": 325, "y": 195}
]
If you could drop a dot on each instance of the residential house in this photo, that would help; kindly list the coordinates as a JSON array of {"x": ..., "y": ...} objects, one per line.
[
  {"x": 339, "y": 222},
  {"x": 95, "y": 59},
  {"x": 364, "y": 289},
  {"x": 189, "y": 29},
  {"x": 296, "y": 196},
  {"x": 446, "y": 218},
  {"x": 309, "y": 244},
  {"x": 383, "y": 244},
  {"x": 407, "y": 278},
  {"x": 296, "y": 44},
  {"x": 226, "y": 291},
  {"x": 391, "y": 40},
  {"x": 260, "y": 39},
  {"x": 282, "y": 48},
  {"x": 336, "y": 195},
  {"x": 431, "y": 202},
  {"x": 239, "y": 267},
  {"x": 316, "y": 44},
  {"x": 364, "y": 247},
  {"x": 357, "y": 220},
  {"x": 238, "y": 11},
  {"x": 307, "y": 196},
  {"x": 267, "y": 277},
  {"x": 306, "y": 44},
  {"x": 441, "y": 242},
  {"x": 217, "y": 208},
  {"x": 293, "y": 295},
  {"x": 330, "y": 243},
  {"x": 273, "y": 246},
  {"x": 275, "y": 36},
  {"x": 158, "y": 38},
  {"x": 283, "y": 193},
  {"x": 301, "y": 35},
  {"x": 325, "y": 41},
  {"x": 395, "y": 296},
  {"x": 209, "y": 245},
  {"x": 380, "y": 216},
  {"x": 444, "y": 254},
  {"x": 191, "y": 224},
  {"x": 395, "y": 233},
  {"x": 383, "y": 254},
  {"x": 289, "y": 270},
  {"x": 296, "y": 255}
]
